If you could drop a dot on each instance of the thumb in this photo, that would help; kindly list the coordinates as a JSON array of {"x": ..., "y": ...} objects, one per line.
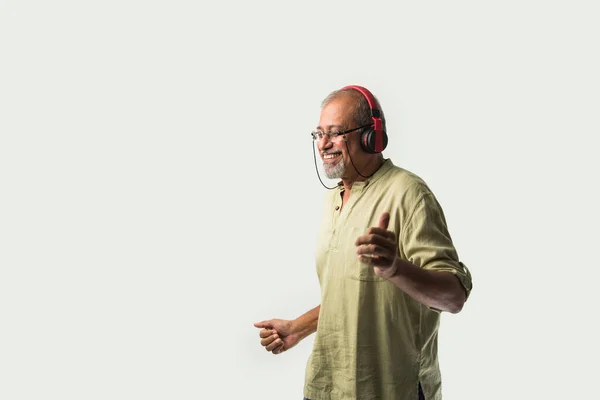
[
  {"x": 384, "y": 220},
  {"x": 263, "y": 324}
]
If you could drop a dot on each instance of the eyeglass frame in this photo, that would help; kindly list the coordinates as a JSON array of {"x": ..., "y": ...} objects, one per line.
[{"x": 318, "y": 135}]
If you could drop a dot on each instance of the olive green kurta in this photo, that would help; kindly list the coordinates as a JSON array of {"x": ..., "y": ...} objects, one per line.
[{"x": 373, "y": 341}]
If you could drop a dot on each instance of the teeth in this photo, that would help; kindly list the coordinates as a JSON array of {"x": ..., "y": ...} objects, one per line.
[{"x": 329, "y": 156}]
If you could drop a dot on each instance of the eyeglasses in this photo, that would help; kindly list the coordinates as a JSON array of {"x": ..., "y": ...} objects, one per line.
[{"x": 334, "y": 136}]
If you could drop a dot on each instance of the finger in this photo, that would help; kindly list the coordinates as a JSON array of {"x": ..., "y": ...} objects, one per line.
[
  {"x": 384, "y": 220},
  {"x": 263, "y": 324},
  {"x": 376, "y": 239},
  {"x": 275, "y": 344},
  {"x": 375, "y": 250},
  {"x": 376, "y": 261},
  {"x": 268, "y": 340},
  {"x": 381, "y": 232},
  {"x": 266, "y": 333},
  {"x": 279, "y": 349}
]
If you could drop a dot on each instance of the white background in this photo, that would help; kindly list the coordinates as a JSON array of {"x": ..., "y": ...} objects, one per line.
[{"x": 158, "y": 192}]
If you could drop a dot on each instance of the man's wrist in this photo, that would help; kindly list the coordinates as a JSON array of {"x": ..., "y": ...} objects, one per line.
[
  {"x": 301, "y": 327},
  {"x": 390, "y": 272}
]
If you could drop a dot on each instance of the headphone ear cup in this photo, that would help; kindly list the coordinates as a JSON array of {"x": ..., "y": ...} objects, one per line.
[
  {"x": 385, "y": 140},
  {"x": 368, "y": 141}
]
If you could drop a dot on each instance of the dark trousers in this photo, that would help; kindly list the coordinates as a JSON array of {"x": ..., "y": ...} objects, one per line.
[{"x": 421, "y": 395}]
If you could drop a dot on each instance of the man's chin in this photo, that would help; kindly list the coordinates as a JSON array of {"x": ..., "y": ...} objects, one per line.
[
  {"x": 334, "y": 170},
  {"x": 333, "y": 173}
]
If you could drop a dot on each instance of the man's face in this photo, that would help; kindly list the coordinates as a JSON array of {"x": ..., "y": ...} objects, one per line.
[{"x": 337, "y": 117}]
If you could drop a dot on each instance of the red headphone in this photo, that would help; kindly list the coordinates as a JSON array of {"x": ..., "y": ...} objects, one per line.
[{"x": 374, "y": 139}]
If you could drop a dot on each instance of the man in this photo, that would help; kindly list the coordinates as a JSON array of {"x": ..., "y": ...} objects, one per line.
[{"x": 386, "y": 265}]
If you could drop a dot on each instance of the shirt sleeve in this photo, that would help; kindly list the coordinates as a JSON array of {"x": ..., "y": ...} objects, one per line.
[{"x": 426, "y": 243}]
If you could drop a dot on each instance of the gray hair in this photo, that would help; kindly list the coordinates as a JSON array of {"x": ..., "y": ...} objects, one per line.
[{"x": 362, "y": 112}]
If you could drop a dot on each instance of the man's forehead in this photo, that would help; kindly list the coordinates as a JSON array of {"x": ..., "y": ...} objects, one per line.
[
  {"x": 336, "y": 114},
  {"x": 323, "y": 127},
  {"x": 340, "y": 105}
]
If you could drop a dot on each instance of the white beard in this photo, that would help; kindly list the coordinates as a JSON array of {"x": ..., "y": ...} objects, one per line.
[{"x": 335, "y": 171}]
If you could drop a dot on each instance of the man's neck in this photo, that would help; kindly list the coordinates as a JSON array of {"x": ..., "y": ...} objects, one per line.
[{"x": 366, "y": 170}]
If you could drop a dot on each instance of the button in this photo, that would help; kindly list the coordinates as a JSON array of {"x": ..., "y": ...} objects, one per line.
[{"x": 337, "y": 208}]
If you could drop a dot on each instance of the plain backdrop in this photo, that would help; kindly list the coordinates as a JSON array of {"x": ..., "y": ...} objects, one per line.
[{"x": 158, "y": 192}]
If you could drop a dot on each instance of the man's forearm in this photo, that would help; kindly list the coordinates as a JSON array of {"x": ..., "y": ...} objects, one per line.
[
  {"x": 437, "y": 289},
  {"x": 306, "y": 324}
]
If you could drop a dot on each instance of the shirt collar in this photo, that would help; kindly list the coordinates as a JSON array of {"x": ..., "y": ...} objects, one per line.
[{"x": 387, "y": 164}]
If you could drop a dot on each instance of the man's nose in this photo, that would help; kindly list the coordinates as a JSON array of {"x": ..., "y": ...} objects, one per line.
[{"x": 324, "y": 143}]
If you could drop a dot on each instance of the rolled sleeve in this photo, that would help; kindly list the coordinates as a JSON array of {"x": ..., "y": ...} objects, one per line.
[{"x": 426, "y": 242}]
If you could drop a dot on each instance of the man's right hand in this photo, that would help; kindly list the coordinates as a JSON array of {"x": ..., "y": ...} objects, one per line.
[{"x": 277, "y": 335}]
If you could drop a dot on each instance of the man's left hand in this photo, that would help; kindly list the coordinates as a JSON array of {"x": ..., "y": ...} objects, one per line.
[{"x": 379, "y": 248}]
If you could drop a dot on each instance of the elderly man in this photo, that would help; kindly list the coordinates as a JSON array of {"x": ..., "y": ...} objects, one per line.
[{"x": 386, "y": 264}]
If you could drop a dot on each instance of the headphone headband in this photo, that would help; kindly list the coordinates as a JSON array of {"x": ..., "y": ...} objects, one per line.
[
  {"x": 375, "y": 113},
  {"x": 376, "y": 143}
]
